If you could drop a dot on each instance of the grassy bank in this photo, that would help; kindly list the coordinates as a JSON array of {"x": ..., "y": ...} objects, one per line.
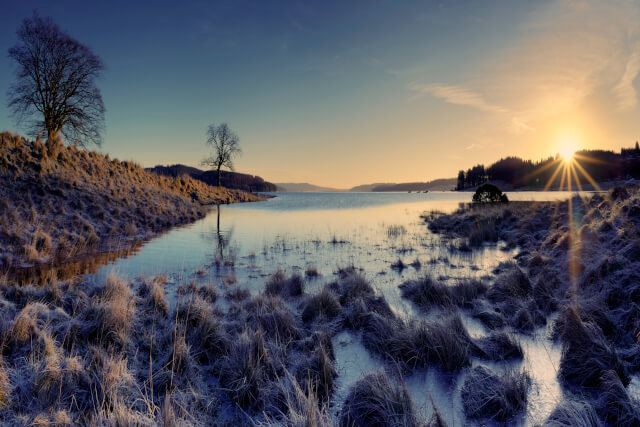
[
  {"x": 60, "y": 202},
  {"x": 579, "y": 264}
]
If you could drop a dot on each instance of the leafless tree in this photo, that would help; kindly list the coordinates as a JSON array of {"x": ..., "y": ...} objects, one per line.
[
  {"x": 55, "y": 88},
  {"x": 225, "y": 146}
]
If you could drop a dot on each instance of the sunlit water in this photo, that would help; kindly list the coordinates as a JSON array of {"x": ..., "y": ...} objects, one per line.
[{"x": 243, "y": 244}]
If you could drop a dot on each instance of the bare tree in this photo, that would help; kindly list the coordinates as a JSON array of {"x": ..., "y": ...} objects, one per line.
[
  {"x": 55, "y": 88},
  {"x": 225, "y": 146}
]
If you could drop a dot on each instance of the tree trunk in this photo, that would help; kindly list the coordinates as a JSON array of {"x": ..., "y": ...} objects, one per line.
[
  {"x": 218, "y": 176},
  {"x": 52, "y": 135}
]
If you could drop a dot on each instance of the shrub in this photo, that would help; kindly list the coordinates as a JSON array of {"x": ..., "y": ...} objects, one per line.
[
  {"x": 486, "y": 394},
  {"x": 489, "y": 193},
  {"x": 377, "y": 400}
]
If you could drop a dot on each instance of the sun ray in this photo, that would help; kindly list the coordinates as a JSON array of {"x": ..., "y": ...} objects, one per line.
[
  {"x": 542, "y": 169},
  {"x": 575, "y": 175},
  {"x": 590, "y": 159},
  {"x": 553, "y": 177},
  {"x": 586, "y": 175}
]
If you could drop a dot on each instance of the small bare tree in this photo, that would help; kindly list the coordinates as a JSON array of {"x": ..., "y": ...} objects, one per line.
[
  {"x": 225, "y": 146},
  {"x": 55, "y": 88}
]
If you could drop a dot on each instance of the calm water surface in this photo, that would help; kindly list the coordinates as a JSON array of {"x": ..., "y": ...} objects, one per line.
[{"x": 243, "y": 244}]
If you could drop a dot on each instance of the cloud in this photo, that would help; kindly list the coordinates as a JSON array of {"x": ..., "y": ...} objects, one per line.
[
  {"x": 457, "y": 95},
  {"x": 473, "y": 146},
  {"x": 565, "y": 53},
  {"x": 624, "y": 90}
]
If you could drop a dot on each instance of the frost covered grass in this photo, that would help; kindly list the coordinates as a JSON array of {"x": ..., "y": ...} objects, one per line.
[
  {"x": 378, "y": 399},
  {"x": 60, "y": 202},
  {"x": 497, "y": 396},
  {"x": 577, "y": 261}
]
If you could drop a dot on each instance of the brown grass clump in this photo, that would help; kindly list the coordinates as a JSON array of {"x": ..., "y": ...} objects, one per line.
[
  {"x": 322, "y": 306},
  {"x": 23, "y": 328},
  {"x": 295, "y": 405},
  {"x": 59, "y": 418},
  {"x": 278, "y": 284},
  {"x": 586, "y": 353},
  {"x": 62, "y": 380},
  {"x": 487, "y": 394},
  {"x": 378, "y": 400},
  {"x": 417, "y": 343},
  {"x": 115, "y": 311},
  {"x": 5, "y": 386},
  {"x": 245, "y": 371},
  {"x": 114, "y": 380},
  {"x": 154, "y": 289}
]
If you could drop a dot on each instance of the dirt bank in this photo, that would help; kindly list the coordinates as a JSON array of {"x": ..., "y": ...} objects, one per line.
[{"x": 60, "y": 202}]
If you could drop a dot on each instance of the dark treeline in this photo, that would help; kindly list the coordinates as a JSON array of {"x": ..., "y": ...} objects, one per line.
[
  {"x": 234, "y": 180},
  {"x": 600, "y": 165}
]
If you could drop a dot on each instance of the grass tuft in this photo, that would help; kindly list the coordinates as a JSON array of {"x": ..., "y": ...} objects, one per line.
[
  {"x": 378, "y": 400},
  {"x": 488, "y": 395}
]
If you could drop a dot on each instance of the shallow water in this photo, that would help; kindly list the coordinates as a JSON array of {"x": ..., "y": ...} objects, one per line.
[{"x": 242, "y": 245}]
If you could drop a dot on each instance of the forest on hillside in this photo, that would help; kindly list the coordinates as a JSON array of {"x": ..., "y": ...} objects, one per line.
[{"x": 584, "y": 167}]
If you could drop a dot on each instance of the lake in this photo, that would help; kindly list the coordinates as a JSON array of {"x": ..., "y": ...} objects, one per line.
[{"x": 243, "y": 244}]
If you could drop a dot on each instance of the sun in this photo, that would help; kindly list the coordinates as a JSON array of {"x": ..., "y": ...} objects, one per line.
[
  {"x": 567, "y": 148},
  {"x": 567, "y": 153}
]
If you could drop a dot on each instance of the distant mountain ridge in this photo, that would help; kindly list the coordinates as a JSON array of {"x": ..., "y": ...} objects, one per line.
[
  {"x": 234, "y": 180},
  {"x": 305, "y": 188},
  {"x": 443, "y": 184}
]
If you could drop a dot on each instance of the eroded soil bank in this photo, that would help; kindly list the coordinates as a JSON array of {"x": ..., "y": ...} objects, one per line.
[{"x": 59, "y": 202}]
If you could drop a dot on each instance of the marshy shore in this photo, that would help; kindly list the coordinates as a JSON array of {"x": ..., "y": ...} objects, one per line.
[
  {"x": 58, "y": 203},
  {"x": 153, "y": 351}
]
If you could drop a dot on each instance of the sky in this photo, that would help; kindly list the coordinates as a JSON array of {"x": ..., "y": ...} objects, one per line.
[{"x": 342, "y": 93}]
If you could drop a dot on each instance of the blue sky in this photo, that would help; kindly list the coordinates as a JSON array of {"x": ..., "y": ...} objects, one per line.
[{"x": 350, "y": 92}]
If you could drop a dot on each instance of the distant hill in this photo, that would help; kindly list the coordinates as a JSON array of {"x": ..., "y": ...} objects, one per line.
[
  {"x": 443, "y": 184},
  {"x": 304, "y": 187},
  {"x": 368, "y": 187},
  {"x": 235, "y": 180}
]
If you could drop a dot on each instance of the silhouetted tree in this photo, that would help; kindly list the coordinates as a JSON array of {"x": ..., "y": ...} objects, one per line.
[
  {"x": 225, "y": 146},
  {"x": 55, "y": 82},
  {"x": 489, "y": 193},
  {"x": 460, "y": 185}
]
